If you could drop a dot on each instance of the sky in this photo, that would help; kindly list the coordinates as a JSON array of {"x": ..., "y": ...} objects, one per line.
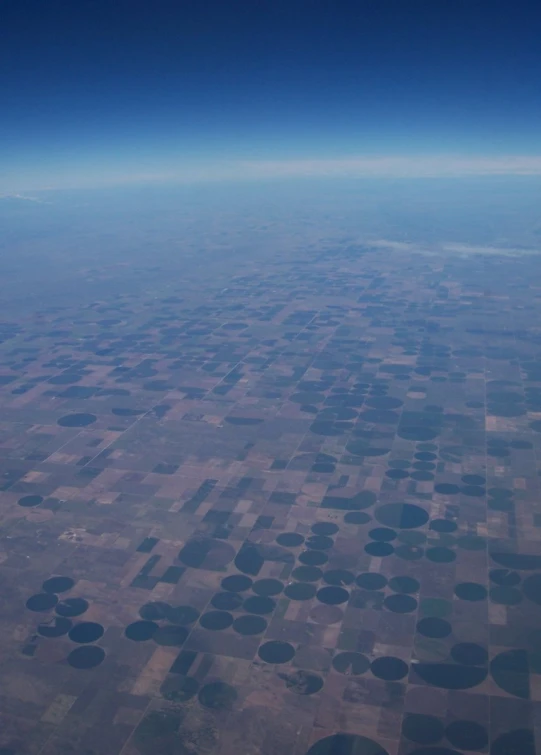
[{"x": 101, "y": 91}]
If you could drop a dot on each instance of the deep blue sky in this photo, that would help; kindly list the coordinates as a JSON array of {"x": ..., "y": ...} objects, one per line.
[{"x": 91, "y": 86}]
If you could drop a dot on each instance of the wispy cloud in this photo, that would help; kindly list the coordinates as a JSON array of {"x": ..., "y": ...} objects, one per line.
[
  {"x": 407, "y": 167},
  {"x": 468, "y": 249},
  {"x": 188, "y": 171},
  {"x": 452, "y": 247},
  {"x": 24, "y": 198},
  {"x": 446, "y": 166}
]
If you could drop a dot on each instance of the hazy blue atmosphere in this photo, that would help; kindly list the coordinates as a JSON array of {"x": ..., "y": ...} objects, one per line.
[
  {"x": 53, "y": 241},
  {"x": 95, "y": 92},
  {"x": 270, "y": 377}
]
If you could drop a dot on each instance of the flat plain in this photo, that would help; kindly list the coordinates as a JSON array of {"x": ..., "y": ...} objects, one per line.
[{"x": 285, "y": 506}]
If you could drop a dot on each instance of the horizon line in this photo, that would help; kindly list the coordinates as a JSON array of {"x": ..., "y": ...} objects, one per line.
[{"x": 359, "y": 166}]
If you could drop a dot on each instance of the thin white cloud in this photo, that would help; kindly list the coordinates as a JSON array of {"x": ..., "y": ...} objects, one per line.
[
  {"x": 452, "y": 247},
  {"x": 352, "y": 167},
  {"x": 396, "y": 246},
  {"x": 74, "y": 176},
  {"x": 24, "y": 198},
  {"x": 399, "y": 167},
  {"x": 501, "y": 250}
]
